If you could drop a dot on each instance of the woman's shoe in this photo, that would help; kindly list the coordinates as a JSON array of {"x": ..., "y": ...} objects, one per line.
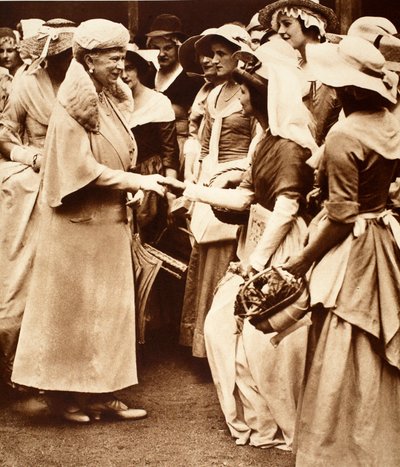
[
  {"x": 114, "y": 409},
  {"x": 73, "y": 413}
]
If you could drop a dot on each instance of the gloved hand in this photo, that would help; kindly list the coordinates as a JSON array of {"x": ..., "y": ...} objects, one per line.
[{"x": 28, "y": 156}]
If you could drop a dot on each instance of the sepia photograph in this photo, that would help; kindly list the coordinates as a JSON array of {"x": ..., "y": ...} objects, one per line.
[{"x": 200, "y": 233}]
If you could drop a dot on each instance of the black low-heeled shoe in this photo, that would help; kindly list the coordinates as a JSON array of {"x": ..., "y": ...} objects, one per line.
[{"x": 114, "y": 409}]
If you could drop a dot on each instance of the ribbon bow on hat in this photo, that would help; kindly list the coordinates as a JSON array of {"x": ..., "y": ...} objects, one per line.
[{"x": 57, "y": 37}]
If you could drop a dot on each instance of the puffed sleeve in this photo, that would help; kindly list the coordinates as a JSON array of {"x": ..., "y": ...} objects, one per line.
[{"x": 341, "y": 165}]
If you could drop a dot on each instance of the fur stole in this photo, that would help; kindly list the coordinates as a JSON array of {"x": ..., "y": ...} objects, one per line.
[{"x": 78, "y": 96}]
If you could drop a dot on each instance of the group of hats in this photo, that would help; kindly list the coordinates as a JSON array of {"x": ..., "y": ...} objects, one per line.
[
  {"x": 52, "y": 37},
  {"x": 342, "y": 61},
  {"x": 353, "y": 60},
  {"x": 236, "y": 35}
]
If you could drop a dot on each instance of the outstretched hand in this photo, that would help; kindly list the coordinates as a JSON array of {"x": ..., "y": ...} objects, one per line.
[
  {"x": 175, "y": 186},
  {"x": 153, "y": 183}
]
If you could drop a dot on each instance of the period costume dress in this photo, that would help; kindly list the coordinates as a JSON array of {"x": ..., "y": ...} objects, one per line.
[
  {"x": 25, "y": 120},
  {"x": 258, "y": 385},
  {"x": 227, "y": 136},
  {"x": 324, "y": 105},
  {"x": 78, "y": 331},
  {"x": 153, "y": 126},
  {"x": 354, "y": 354}
]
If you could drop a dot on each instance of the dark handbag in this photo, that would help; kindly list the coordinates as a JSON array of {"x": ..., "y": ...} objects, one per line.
[
  {"x": 232, "y": 178},
  {"x": 273, "y": 299}
]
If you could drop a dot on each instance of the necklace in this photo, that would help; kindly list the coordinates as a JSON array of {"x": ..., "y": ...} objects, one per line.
[
  {"x": 104, "y": 104},
  {"x": 232, "y": 95}
]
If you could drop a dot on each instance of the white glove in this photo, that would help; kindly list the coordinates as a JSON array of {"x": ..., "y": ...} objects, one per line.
[
  {"x": 230, "y": 198},
  {"x": 27, "y": 155},
  {"x": 277, "y": 227},
  {"x": 191, "y": 152}
]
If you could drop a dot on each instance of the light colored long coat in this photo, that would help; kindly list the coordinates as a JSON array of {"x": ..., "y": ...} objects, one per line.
[{"x": 78, "y": 330}]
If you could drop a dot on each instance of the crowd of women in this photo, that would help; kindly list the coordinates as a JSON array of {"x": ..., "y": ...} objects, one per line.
[{"x": 282, "y": 141}]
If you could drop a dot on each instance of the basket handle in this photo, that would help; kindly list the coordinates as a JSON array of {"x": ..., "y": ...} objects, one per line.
[{"x": 253, "y": 278}]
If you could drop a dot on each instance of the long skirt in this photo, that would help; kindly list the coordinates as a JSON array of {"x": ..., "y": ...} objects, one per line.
[
  {"x": 350, "y": 413},
  {"x": 19, "y": 215},
  {"x": 208, "y": 263},
  {"x": 78, "y": 330},
  {"x": 258, "y": 385}
]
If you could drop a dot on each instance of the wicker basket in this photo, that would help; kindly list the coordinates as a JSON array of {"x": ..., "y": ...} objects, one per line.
[
  {"x": 268, "y": 299},
  {"x": 229, "y": 216}
]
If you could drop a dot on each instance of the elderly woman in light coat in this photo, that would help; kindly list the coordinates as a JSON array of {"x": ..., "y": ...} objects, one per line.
[{"x": 77, "y": 340}]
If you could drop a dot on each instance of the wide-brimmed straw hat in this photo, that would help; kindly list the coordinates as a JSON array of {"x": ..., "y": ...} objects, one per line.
[
  {"x": 370, "y": 27},
  {"x": 273, "y": 69},
  {"x": 280, "y": 51},
  {"x": 232, "y": 33},
  {"x": 256, "y": 62},
  {"x": 188, "y": 57},
  {"x": 254, "y": 23},
  {"x": 381, "y": 32},
  {"x": 54, "y": 36},
  {"x": 309, "y": 6},
  {"x": 166, "y": 24},
  {"x": 352, "y": 62},
  {"x": 30, "y": 27}
]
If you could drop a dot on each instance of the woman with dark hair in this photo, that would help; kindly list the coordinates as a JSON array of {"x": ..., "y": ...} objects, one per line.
[
  {"x": 77, "y": 341},
  {"x": 350, "y": 412},
  {"x": 197, "y": 64},
  {"x": 226, "y": 141},
  {"x": 153, "y": 125},
  {"x": 302, "y": 22},
  {"x": 258, "y": 385}
]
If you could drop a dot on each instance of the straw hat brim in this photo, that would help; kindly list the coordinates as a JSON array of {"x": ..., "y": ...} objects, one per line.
[
  {"x": 205, "y": 42},
  {"x": 34, "y": 45},
  {"x": 188, "y": 57},
  {"x": 389, "y": 46},
  {"x": 266, "y": 13},
  {"x": 330, "y": 68}
]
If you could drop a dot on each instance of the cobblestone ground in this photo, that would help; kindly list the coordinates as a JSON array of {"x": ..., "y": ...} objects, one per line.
[{"x": 184, "y": 428}]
